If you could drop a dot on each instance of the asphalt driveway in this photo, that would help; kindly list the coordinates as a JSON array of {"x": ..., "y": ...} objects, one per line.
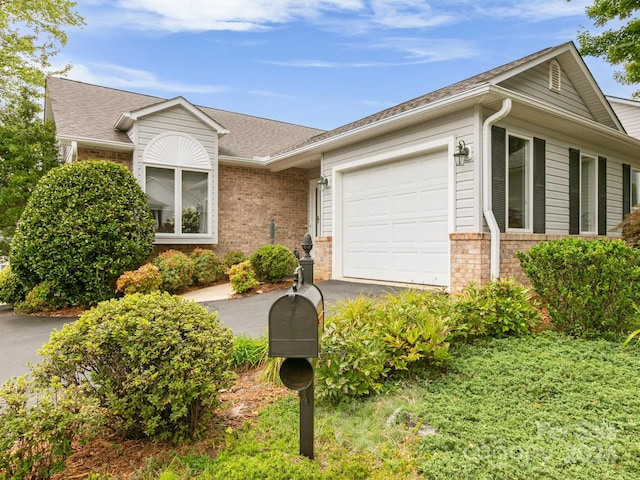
[{"x": 22, "y": 335}]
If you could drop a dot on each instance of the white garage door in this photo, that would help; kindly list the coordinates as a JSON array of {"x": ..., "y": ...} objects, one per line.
[{"x": 395, "y": 221}]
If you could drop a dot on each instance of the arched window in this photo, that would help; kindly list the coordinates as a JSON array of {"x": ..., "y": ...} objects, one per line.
[{"x": 177, "y": 182}]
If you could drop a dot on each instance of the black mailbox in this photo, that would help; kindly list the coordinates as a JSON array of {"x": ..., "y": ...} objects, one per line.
[{"x": 296, "y": 321}]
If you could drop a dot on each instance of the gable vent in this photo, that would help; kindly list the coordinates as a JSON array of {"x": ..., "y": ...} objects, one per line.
[{"x": 555, "y": 76}]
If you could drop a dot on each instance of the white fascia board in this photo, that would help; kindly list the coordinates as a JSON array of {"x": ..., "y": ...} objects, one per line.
[
  {"x": 95, "y": 142},
  {"x": 255, "y": 162},
  {"x": 365, "y": 130}
]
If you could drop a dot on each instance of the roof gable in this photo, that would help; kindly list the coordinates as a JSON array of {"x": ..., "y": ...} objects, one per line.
[
  {"x": 126, "y": 119},
  {"x": 82, "y": 111},
  {"x": 566, "y": 54}
]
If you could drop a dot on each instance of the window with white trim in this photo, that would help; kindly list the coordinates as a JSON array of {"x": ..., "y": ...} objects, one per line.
[
  {"x": 178, "y": 185},
  {"x": 588, "y": 195},
  {"x": 518, "y": 183}
]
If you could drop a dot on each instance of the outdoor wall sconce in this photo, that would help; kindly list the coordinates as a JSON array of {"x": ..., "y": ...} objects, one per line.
[
  {"x": 323, "y": 183},
  {"x": 461, "y": 154}
]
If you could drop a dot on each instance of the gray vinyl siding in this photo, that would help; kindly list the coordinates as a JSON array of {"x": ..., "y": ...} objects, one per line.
[
  {"x": 459, "y": 126},
  {"x": 557, "y": 177},
  {"x": 629, "y": 115},
  {"x": 535, "y": 83}
]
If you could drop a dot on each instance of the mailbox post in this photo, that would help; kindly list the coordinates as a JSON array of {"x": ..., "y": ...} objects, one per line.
[{"x": 295, "y": 328}]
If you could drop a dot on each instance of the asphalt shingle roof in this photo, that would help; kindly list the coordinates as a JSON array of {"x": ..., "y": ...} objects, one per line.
[{"x": 91, "y": 111}]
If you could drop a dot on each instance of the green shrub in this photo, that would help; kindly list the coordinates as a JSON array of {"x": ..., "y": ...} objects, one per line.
[
  {"x": 38, "y": 426},
  {"x": 588, "y": 286},
  {"x": 233, "y": 257},
  {"x": 242, "y": 277},
  {"x": 157, "y": 362},
  {"x": 176, "y": 270},
  {"x": 353, "y": 353},
  {"x": 273, "y": 263},
  {"x": 207, "y": 267},
  {"x": 42, "y": 297},
  {"x": 84, "y": 225},
  {"x": 11, "y": 290},
  {"x": 146, "y": 279},
  {"x": 414, "y": 327},
  {"x": 499, "y": 309}
]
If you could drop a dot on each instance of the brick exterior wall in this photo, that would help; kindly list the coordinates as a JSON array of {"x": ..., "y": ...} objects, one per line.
[
  {"x": 322, "y": 254},
  {"x": 471, "y": 256},
  {"x": 123, "y": 158},
  {"x": 248, "y": 199}
]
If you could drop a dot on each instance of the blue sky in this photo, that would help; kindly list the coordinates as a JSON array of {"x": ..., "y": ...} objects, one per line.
[{"x": 320, "y": 63}]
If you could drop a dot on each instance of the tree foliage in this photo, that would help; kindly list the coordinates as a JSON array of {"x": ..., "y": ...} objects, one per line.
[
  {"x": 619, "y": 46},
  {"x": 31, "y": 32},
  {"x": 27, "y": 151}
]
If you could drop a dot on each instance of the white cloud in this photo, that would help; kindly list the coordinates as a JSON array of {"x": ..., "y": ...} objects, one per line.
[
  {"x": 532, "y": 10},
  {"x": 116, "y": 76},
  {"x": 237, "y": 15}
]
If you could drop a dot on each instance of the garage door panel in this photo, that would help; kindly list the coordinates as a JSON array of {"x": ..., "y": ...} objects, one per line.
[{"x": 396, "y": 222}]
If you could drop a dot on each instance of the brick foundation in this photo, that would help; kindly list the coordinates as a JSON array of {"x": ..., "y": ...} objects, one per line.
[{"x": 471, "y": 256}]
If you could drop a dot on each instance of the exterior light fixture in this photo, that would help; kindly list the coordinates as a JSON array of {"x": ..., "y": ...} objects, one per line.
[
  {"x": 461, "y": 154},
  {"x": 323, "y": 183}
]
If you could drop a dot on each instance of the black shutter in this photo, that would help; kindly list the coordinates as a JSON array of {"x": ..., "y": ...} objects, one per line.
[
  {"x": 626, "y": 189},
  {"x": 498, "y": 174},
  {"x": 602, "y": 196},
  {"x": 539, "y": 179},
  {"x": 574, "y": 191}
]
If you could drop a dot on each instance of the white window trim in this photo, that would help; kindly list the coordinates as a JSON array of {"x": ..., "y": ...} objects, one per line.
[
  {"x": 177, "y": 177},
  {"x": 529, "y": 174},
  {"x": 594, "y": 188}
]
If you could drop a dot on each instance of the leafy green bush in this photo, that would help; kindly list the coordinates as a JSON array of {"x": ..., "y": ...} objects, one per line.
[
  {"x": 11, "y": 290},
  {"x": 42, "y": 297},
  {"x": 588, "y": 286},
  {"x": 498, "y": 309},
  {"x": 176, "y": 270},
  {"x": 233, "y": 257},
  {"x": 242, "y": 277},
  {"x": 207, "y": 267},
  {"x": 84, "y": 225},
  {"x": 37, "y": 427},
  {"x": 353, "y": 353},
  {"x": 273, "y": 263},
  {"x": 157, "y": 362},
  {"x": 146, "y": 279},
  {"x": 414, "y": 327}
]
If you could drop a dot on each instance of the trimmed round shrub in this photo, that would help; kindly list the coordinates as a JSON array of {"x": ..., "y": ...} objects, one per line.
[
  {"x": 84, "y": 225},
  {"x": 588, "y": 286},
  {"x": 233, "y": 257},
  {"x": 176, "y": 270},
  {"x": 146, "y": 279},
  {"x": 157, "y": 362},
  {"x": 11, "y": 290},
  {"x": 242, "y": 277},
  {"x": 273, "y": 263},
  {"x": 207, "y": 267}
]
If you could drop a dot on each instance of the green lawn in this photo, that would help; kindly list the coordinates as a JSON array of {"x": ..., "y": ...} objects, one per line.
[{"x": 545, "y": 406}]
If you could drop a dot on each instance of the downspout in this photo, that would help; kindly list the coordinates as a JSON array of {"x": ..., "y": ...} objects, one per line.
[{"x": 487, "y": 206}]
